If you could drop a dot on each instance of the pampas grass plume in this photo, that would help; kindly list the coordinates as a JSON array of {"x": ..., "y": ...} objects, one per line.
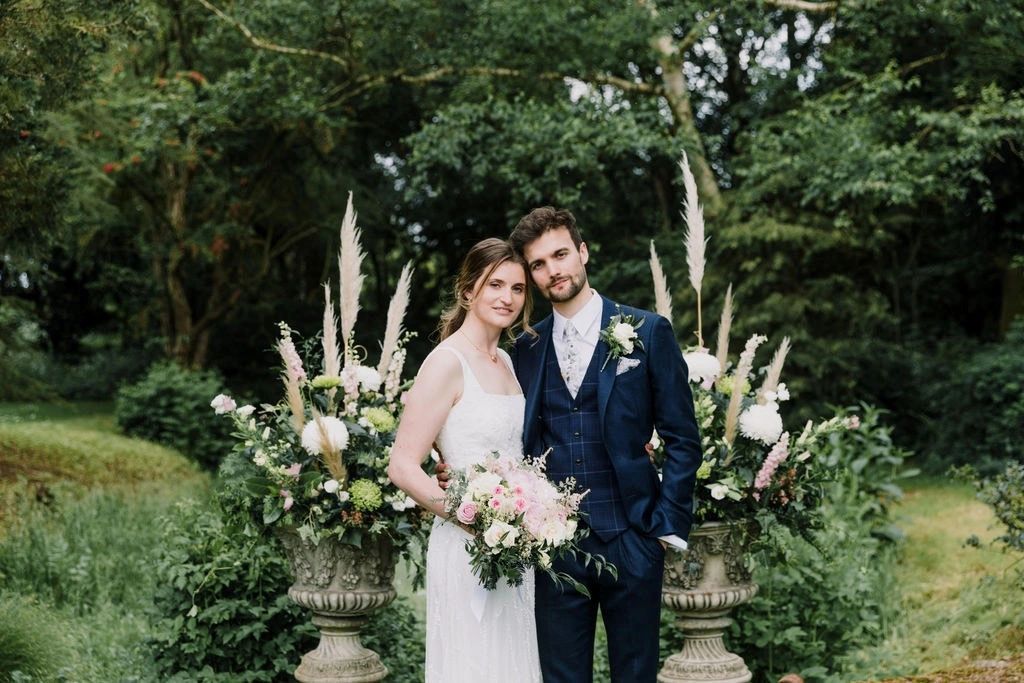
[
  {"x": 662, "y": 295},
  {"x": 396, "y": 316},
  {"x": 350, "y": 261},
  {"x": 724, "y": 325}
]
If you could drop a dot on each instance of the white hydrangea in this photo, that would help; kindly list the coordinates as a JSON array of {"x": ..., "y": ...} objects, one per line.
[
  {"x": 762, "y": 423},
  {"x": 337, "y": 435},
  {"x": 702, "y": 366}
]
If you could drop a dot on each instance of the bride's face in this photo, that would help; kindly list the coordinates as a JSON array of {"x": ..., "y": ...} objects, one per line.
[{"x": 499, "y": 299}]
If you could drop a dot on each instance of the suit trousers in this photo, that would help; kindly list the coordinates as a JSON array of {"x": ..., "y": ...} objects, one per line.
[{"x": 629, "y": 605}]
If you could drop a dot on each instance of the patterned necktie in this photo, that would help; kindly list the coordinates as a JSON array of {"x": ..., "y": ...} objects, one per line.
[{"x": 572, "y": 373}]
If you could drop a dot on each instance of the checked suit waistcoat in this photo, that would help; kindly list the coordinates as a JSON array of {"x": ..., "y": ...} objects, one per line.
[{"x": 571, "y": 428}]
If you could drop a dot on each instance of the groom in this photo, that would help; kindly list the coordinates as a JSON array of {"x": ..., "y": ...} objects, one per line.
[{"x": 595, "y": 408}]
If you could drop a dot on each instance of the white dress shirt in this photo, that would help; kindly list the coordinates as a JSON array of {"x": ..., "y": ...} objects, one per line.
[{"x": 587, "y": 322}]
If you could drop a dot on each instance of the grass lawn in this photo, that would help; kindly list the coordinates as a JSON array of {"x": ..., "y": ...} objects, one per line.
[
  {"x": 960, "y": 605},
  {"x": 78, "y": 534}
]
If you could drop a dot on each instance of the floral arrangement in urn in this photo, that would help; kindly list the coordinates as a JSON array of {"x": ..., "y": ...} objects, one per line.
[
  {"x": 318, "y": 458},
  {"x": 753, "y": 468}
]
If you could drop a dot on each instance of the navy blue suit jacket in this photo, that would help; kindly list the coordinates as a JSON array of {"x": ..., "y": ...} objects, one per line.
[{"x": 654, "y": 394}]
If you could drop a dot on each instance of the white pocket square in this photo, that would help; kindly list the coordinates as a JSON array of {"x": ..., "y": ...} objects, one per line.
[{"x": 625, "y": 365}]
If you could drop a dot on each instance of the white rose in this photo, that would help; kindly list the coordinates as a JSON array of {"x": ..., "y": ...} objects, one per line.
[
  {"x": 343, "y": 496},
  {"x": 337, "y": 435},
  {"x": 245, "y": 411},
  {"x": 762, "y": 423},
  {"x": 544, "y": 560},
  {"x": 655, "y": 440},
  {"x": 492, "y": 537},
  {"x": 623, "y": 333},
  {"x": 719, "y": 491},
  {"x": 331, "y": 486},
  {"x": 702, "y": 365},
  {"x": 222, "y": 403}
]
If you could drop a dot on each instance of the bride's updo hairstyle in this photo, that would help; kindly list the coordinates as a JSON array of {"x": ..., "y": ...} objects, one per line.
[{"x": 483, "y": 259}]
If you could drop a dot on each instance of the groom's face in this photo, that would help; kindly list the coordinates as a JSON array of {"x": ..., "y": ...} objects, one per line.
[{"x": 557, "y": 266}]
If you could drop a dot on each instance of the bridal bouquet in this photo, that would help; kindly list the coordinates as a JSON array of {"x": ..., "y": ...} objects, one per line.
[
  {"x": 317, "y": 459},
  {"x": 752, "y": 467},
  {"x": 521, "y": 519}
]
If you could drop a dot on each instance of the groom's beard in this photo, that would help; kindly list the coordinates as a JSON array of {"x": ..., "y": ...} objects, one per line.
[{"x": 576, "y": 283}]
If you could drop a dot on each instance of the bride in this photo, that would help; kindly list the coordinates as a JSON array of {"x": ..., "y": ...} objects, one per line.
[{"x": 467, "y": 400}]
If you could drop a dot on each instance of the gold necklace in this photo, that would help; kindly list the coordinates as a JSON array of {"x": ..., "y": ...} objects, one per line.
[{"x": 492, "y": 356}]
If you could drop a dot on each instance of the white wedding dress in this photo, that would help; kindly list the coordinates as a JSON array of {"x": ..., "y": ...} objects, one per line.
[{"x": 473, "y": 634}]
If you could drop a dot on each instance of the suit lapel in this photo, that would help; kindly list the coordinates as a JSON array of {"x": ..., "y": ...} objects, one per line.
[
  {"x": 606, "y": 378},
  {"x": 535, "y": 352}
]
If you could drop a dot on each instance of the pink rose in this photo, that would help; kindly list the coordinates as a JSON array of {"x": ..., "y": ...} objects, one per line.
[{"x": 466, "y": 513}]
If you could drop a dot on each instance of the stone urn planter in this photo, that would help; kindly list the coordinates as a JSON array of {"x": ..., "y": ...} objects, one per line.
[
  {"x": 702, "y": 585},
  {"x": 341, "y": 584}
]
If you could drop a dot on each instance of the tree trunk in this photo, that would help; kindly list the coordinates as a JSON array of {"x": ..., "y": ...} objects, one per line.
[{"x": 677, "y": 93}]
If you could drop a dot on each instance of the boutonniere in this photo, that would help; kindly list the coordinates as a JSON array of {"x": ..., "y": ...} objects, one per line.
[{"x": 621, "y": 336}]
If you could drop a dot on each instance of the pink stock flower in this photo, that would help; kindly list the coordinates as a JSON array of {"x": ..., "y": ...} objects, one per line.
[
  {"x": 779, "y": 452},
  {"x": 499, "y": 490},
  {"x": 294, "y": 470},
  {"x": 292, "y": 362},
  {"x": 520, "y": 505},
  {"x": 852, "y": 422},
  {"x": 466, "y": 513},
  {"x": 288, "y": 500},
  {"x": 495, "y": 503}
]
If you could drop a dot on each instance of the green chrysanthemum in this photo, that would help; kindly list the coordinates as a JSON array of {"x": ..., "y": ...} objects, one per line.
[
  {"x": 380, "y": 418},
  {"x": 724, "y": 385},
  {"x": 325, "y": 382},
  {"x": 366, "y": 496}
]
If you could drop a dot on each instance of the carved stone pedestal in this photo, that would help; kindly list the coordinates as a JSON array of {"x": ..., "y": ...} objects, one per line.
[
  {"x": 341, "y": 584},
  {"x": 703, "y": 584}
]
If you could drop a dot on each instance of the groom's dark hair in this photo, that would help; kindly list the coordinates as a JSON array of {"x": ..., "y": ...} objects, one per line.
[{"x": 539, "y": 221}]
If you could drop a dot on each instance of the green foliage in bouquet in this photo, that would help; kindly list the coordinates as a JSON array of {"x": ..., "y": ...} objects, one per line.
[
  {"x": 317, "y": 460},
  {"x": 170, "y": 406},
  {"x": 222, "y": 612},
  {"x": 752, "y": 467}
]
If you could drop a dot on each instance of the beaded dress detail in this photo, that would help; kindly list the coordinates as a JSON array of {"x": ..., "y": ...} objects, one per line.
[{"x": 474, "y": 634}]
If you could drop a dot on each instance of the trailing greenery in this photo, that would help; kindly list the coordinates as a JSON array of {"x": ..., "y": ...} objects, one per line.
[
  {"x": 171, "y": 406},
  {"x": 223, "y": 613}
]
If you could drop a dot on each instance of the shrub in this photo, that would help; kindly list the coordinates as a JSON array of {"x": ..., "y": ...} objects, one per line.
[
  {"x": 817, "y": 601},
  {"x": 868, "y": 465},
  {"x": 171, "y": 406},
  {"x": 97, "y": 376},
  {"x": 1005, "y": 494},
  {"x": 32, "y": 645},
  {"x": 983, "y": 407},
  {"x": 223, "y": 613}
]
